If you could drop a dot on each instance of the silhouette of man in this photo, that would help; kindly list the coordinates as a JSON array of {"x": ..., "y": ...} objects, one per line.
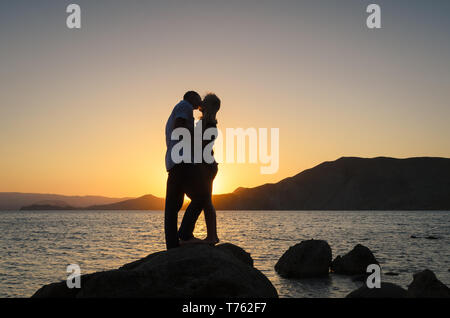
[{"x": 181, "y": 175}]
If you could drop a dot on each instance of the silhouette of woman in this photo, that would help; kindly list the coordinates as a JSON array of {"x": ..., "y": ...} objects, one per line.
[{"x": 207, "y": 170}]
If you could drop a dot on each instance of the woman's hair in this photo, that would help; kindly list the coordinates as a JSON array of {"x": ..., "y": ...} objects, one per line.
[{"x": 210, "y": 106}]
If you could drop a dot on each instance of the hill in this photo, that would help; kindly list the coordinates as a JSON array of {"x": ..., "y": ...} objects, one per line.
[
  {"x": 16, "y": 200},
  {"x": 146, "y": 202},
  {"x": 351, "y": 183}
]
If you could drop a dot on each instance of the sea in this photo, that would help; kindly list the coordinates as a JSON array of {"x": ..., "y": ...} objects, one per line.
[{"x": 37, "y": 246}]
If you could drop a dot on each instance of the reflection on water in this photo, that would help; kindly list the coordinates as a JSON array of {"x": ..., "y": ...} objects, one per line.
[{"x": 36, "y": 247}]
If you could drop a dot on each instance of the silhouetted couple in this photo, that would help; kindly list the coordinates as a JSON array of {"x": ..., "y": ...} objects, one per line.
[{"x": 190, "y": 177}]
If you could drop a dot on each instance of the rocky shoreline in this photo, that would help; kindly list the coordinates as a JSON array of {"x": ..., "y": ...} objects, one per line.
[
  {"x": 226, "y": 270},
  {"x": 197, "y": 271}
]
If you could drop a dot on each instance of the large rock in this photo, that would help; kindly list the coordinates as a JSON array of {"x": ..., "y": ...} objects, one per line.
[
  {"x": 387, "y": 290},
  {"x": 190, "y": 271},
  {"x": 310, "y": 258},
  {"x": 426, "y": 285},
  {"x": 237, "y": 252},
  {"x": 354, "y": 262}
]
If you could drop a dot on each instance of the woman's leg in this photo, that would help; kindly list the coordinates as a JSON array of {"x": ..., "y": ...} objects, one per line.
[
  {"x": 211, "y": 222},
  {"x": 210, "y": 172}
]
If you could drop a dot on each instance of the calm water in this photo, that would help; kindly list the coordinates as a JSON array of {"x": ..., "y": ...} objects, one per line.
[{"x": 36, "y": 247}]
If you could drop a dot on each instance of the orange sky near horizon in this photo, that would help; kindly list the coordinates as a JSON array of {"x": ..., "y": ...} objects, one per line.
[{"x": 83, "y": 112}]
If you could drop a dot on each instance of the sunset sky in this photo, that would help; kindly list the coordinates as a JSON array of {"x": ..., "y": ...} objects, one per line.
[{"x": 83, "y": 111}]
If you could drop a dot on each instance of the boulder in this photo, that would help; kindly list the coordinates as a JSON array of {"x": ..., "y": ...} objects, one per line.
[
  {"x": 237, "y": 252},
  {"x": 310, "y": 258},
  {"x": 354, "y": 262},
  {"x": 391, "y": 274},
  {"x": 190, "y": 271},
  {"x": 426, "y": 285},
  {"x": 387, "y": 290},
  {"x": 359, "y": 278}
]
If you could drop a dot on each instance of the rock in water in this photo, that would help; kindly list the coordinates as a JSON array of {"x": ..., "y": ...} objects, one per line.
[
  {"x": 310, "y": 258},
  {"x": 387, "y": 290},
  {"x": 354, "y": 262},
  {"x": 190, "y": 271},
  {"x": 391, "y": 274},
  {"x": 426, "y": 285}
]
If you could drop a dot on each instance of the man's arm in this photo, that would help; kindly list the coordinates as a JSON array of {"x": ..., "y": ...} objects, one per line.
[
  {"x": 180, "y": 122},
  {"x": 183, "y": 113}
]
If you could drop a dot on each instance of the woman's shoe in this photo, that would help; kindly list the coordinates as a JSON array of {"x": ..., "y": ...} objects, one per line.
[
  {"x": 213, "y": 241},
  {"x": 193, "y": 240}
]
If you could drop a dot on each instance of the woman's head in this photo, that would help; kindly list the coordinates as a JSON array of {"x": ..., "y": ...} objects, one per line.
[{"x": 210, "y": 107}]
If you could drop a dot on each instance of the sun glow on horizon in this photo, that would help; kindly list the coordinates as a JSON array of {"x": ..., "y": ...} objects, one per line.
[{"x": 94, "y": 124}]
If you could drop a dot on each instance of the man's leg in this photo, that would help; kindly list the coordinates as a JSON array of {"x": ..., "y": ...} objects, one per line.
[
  {"x": 190, "y": 218},
  {"x": 174, "y": 202}
]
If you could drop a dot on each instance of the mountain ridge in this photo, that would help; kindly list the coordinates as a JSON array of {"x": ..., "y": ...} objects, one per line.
[
  {"x": 354, "y": 183},
  {"x": 16, "y": 200},
  {"x": 348, "y": 183}
]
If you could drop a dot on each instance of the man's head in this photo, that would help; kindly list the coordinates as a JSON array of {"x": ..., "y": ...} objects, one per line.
[{"x": 193, "y": 98}]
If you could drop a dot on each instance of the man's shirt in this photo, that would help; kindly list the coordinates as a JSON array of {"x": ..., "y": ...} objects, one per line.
[{"x": 182, "y": 110}]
